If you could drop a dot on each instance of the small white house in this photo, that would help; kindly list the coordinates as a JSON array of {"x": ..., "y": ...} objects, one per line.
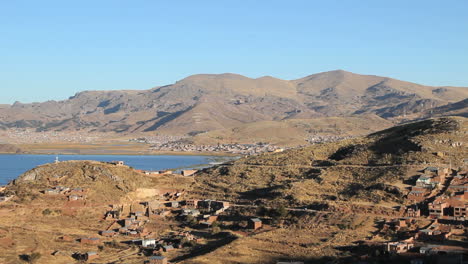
[{"x": 149, "y": 242}]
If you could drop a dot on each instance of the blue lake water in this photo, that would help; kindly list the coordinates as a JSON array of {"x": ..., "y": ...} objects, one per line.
[{"x": 12, "y": 166}]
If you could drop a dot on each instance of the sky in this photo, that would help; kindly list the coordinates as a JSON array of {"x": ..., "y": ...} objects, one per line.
[{"x": 50, "y": 50}]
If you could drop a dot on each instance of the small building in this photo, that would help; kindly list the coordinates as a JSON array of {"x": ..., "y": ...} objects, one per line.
[
  {"x": 75, "y": 197},
  {"x": 191, "y": 212},
  {"x": 424, "y": 181},
  {"x": 173, "y": 204},
  {"x": 148, "y": 242},
  {"x": 254, "y": 223},
  {"x": 117, "y": 163},
  {"x": 129, "y": 221},
  {"x": 191, "y": 203},
  {"x": 425, "y": 250},
  {"x": 399, "y": 247},
  {"x": 187, "y": 173},
  {"x": 416, "y": 196},
  {"x": 157, "y": 260},
  {"x": 437, "y": 207},
  {"x": 151, "y": 172},
  {"x": 413, "y": 212},
  {"x": 91, "y": 255}
]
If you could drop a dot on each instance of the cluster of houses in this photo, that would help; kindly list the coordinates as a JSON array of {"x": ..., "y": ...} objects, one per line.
[
  {"x": 440, "y": 197},
  {"x": 244, "y": 149},
  {"x": 185, "y": 173},
  {"x": 72, "y": 194},
  {"x": 171, "y": 242},
  {"x": 431, "y": 179},
  {"x": 453, "y": 204},
  {"x": 132, "y": 225}
]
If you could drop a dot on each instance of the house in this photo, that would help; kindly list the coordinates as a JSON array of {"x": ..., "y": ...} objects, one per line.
[
  {"x": 416, "y": 196},
  {"x": 432, "y": 235},
  {"x": 159, "y": 214},
  {"x": 75, "y": 197},
  {"x": 90, "y": 241},
  {"x": 148, "y": 242},
  {"x": 189, "y": 172},
  {"x": 91, "y": 255},
  {"x": 173, "y": 204},
  {"x": 157, "y": 260},
  {"x": 254, "y": 223},
  {"x": 129, "y": 221},
  {"x": 413, "y": 212},
  {"x": 399, "y": 247},
  {"x": 460, "y": 208},
  {"x": 151, "y": 172},
  {"x": 192, "y": 212},
  {"x": 398, "y": 224},
  {"x": 165, "y": 172},
  {"x": 191, "y": 203},
  {"x": 437, "y": 207},
  {"x": 111, "y": 215},
  {"x": 425, "y": 181}
]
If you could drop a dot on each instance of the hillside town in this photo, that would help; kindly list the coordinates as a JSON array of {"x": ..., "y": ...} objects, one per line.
[{"x": 433, "y": 222}]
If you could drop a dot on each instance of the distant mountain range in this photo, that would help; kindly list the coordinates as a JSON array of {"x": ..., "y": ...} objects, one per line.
[{"x": 208, "y": 102}]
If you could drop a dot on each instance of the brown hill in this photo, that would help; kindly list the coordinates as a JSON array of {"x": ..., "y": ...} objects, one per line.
[
  {"x": 104, "y": 182},
  {"x": 209, "y": 102},
  {"x": 294, "y": 132},
  {"x": 362, "y": 170}
]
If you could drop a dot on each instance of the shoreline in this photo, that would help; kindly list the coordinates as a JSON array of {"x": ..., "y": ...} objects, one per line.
[{"x": 110, "y": 153}]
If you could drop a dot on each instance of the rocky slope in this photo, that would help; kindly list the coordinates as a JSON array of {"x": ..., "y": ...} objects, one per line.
[
  {"x": 209, "y": 102},
  {"x": 103, "y": 181}
]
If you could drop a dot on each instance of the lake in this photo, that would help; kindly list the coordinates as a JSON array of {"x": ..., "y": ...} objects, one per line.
[{"x": 12, "y": 166}]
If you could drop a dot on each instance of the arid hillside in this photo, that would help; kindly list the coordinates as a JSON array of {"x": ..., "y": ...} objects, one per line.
[
  {"x": 367, "y": 169},
  {"x": 295, "y": 132},
  {"x": 100, "y": 181},
  {"x": 208, "y": 102}
]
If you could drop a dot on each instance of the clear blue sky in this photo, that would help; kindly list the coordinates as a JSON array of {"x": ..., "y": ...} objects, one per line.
[{"x": 53, "y": 49}]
